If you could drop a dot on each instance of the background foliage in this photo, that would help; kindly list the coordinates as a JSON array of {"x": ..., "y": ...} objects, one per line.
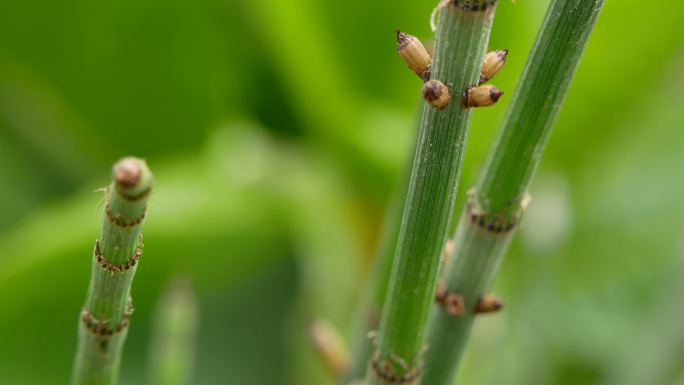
[{"x": 277, "y": 132}]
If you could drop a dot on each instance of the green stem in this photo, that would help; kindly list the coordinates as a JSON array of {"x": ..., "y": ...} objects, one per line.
[
  {"x": 104, "y": 319},
  {"x": 373, "y": 297},
  {"x": 536, "y": 103},
  {"x": 172, "y": 345},
  {"x": 495, "y": 206},
  {"x": 461, "y": 40},
  {"x": 374, "y": 292}
]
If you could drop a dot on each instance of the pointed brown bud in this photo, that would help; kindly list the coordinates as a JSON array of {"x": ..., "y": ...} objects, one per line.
[
  {"x": 488, "y": 303},
  {"x": 493, "y": 62},
  {"x": 436, "y": 94},
  {"x": 482, "y": 96},
  {"x": 414, "y": 54}
]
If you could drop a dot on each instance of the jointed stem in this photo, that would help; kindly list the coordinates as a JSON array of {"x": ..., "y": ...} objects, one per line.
[
  {"x": 462, "y": 35},
  {"x": 103, "y": 323},
  {"x": 489, "y": 222}
]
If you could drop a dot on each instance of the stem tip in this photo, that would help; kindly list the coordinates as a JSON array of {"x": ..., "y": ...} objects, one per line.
[
  {"x": 127, "y": 172},
  {"x": 132, "y": 178}
]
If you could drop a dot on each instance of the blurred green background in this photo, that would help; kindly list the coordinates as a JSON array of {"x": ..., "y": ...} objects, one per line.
[{"x": 278, "y": 132}]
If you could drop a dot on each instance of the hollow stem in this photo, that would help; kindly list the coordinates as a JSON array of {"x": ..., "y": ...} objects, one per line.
[
  {"x": 490, "y": 219},
  {"x": 462, "y": 36},
  {"x": 104, "y": 319}
]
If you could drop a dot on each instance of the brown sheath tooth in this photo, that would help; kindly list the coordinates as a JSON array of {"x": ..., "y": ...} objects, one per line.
[{"x": 106, "y": 265}]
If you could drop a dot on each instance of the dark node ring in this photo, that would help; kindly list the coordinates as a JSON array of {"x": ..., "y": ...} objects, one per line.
[
  {"x": 119, "y": 221},
  {"x": 409, "y": 376},
  {"x": 98, "y": 327},
  {"x": 106, "y": 265}
]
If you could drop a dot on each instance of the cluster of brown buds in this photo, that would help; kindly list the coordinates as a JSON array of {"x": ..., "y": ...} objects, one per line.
[
  {"x": 455, "y": 305},
  {"x": 436, "y": 93}
]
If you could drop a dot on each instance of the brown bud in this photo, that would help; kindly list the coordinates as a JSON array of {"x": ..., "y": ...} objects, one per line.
[
  {"x": 493, "y": 62},
  {"x": 414, "y": 54},
  {"x": 455, "y": 305},
  {"x": 488, "y": 303},
  {"x": 482, "y": 96},
  {"x": 436, "y": 94},
  {"x": 127, "y": 172}
]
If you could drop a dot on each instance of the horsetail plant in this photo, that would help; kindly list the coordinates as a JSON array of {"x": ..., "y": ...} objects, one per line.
[
  {"x": 375, "y": 290},
  {"x": 461, "y": 39},
  {"x": 104, "y": 319},
  {"x": 495, "y": 206},
  {"x": 174, "y": 333}
]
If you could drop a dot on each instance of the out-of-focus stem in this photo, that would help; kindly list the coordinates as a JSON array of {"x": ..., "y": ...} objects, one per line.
[{"x": 174, "y": 334}]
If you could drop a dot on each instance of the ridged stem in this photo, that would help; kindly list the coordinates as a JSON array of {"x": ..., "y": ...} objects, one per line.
[
  {"x": 369, "y": 307},
  {"x": 542, "y": 88},
  {"x": 489, "y": 221},
  {"x": 462, "y": 36},
  {"x": 104, "y": 319}
]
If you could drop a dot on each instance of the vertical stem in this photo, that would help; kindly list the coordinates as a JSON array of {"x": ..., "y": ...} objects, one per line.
[
  {"x": 462, "y": 36},
  {"x": 476, "y": 256},
  {"x": 103, "y": 323},
  {"x": 536, "y": 103},
  {"x": 375, "y": 289},
  {"x": 489, "y": 221},
  {"x": 373, "y": 297},
  {"x": 174, "y": 331}
]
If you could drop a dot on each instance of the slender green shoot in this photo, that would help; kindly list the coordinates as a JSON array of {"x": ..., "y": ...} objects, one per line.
[
  {"x": 174, "y": 333},
  {"x": 104, "y": 319},
  {"x": 489, "y": 221},
  {"x": 462, "y": 36},
  {"x": 370, "y": 305}
]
